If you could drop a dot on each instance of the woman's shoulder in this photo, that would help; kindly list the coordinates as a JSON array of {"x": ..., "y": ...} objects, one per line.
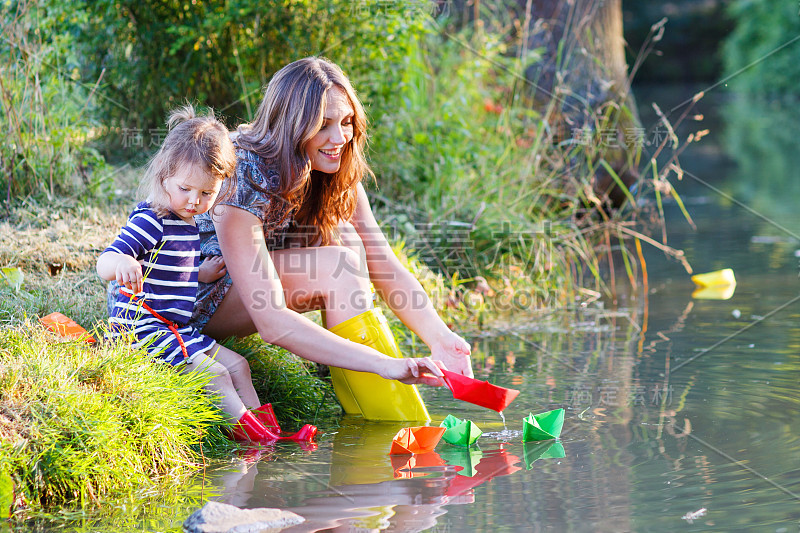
[{"x": 252, "y": 167}]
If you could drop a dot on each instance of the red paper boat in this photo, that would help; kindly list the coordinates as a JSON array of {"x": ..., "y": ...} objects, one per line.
[
  {"x": 479, "y": 392},
  {"x": 422, "y": 439}
]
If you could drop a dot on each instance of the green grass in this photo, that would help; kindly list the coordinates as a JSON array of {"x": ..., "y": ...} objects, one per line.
[
  {"x": 80, "y": 424},
  {"x": 85, "y": 428}
]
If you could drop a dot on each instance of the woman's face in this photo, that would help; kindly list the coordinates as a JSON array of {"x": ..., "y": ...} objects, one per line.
[{"x": 326, "y": 147}]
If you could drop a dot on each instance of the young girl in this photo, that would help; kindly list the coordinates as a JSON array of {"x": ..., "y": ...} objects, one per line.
[{"x": 155, "y": 261}]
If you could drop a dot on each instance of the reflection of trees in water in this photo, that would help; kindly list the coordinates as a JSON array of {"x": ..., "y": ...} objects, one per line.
[{"x": 761, "y": 135}]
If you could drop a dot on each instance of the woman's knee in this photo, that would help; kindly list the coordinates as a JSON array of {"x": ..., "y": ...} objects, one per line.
[
  {"x": 345, "y": 266},
  {"x": 350, "y": 238}
]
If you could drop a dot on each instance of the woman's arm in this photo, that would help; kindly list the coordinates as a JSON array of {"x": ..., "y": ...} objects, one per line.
[
  {"x": 404, "y": 294},
  {"x": 259, "y": 287}
]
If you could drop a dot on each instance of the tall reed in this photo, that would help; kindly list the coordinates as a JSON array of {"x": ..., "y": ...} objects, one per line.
[{"x": 44, "y": 111}]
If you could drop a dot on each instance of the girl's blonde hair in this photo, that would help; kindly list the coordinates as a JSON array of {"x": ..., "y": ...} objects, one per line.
[
  {"x": 201, "y": 141},
  {"x": 290, "y": 114}
]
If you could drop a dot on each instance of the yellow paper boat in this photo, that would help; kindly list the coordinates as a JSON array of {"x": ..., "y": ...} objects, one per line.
[
  {"x": 718, "y": 278},
  {"x": 719, "y": 292}
]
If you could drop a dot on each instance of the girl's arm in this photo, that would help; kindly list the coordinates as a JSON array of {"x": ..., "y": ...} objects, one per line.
[
  {"x": 257, "y": 283},
  {"x": 142, "y": 232},
  {"x": 404, "y": 295},
  {"x": 123, "y": 268}
]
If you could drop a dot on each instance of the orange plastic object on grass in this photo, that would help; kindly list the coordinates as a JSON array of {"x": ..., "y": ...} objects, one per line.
[
  {"x": 479, "y": 392},
  {"x": 421, "y": 439},
  {"x": 66, "y": 327}
]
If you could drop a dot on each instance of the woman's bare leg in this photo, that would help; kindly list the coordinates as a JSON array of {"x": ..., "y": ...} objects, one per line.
[
  {"x": 328, "y": 277},
  {"x": 231, "y": 319},
  {"x": 333, "y": 278}
]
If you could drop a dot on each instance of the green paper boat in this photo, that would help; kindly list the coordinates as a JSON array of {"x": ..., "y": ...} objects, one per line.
[
  {"x": 12, "y": 277},
  {"x": 465, "y": 458},
  {"x": 544, "y": 426},
  {"x": 460, "y": 432},
  {"x": 542, "y": 450}
]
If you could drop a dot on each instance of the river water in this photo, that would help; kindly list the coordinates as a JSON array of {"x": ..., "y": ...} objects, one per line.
[{"x": 682, "y": 413}]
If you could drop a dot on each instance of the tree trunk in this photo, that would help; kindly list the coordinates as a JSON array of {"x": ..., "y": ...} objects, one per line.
[
  {"x": 584, "y": 70},
  {"x": 581, "y": 77}
]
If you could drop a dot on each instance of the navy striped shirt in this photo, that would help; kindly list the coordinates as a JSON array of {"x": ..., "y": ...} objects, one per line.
[{"x": 170, "y": 251}]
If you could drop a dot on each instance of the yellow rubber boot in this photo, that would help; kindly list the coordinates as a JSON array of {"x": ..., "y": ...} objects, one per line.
[{"x": 367, "y": 394}]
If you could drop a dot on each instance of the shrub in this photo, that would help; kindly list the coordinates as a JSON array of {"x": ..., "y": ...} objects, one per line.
[
  {"x": 764, "y": 43},
  {"x": 45, "y": 113}
]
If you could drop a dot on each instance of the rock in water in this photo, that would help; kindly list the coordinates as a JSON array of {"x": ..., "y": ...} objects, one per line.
[{"x": 217, "y": 517}]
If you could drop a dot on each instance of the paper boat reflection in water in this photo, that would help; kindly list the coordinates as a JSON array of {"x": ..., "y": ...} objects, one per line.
[{"x": 542, "y": 450}]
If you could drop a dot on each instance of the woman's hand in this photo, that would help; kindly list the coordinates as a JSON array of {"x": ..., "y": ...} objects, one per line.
[
  {"x": 413, "y": 371},
  {"x": 454, "y": 352}
]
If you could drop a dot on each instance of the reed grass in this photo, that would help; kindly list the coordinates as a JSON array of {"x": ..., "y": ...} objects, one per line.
[
  {"x": 44, "y": 110},
  {"x": 495, "y": 197}
]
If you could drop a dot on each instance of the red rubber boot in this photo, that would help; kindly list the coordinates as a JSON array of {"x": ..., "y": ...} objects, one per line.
[
  {"x": 266, "y": 415},
  {"x": 306, "y": 434},
  {"x": 249, "y": 429}
]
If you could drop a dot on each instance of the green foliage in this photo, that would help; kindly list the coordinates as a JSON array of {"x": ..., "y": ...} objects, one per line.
[
  {"x": 45, "y": 113},
  {"x": 221, "y": 53},
  {"x": 81, "y": 424},
  {"x": 481, "y": 184},
  {"x": 6, "y": 493},
  {"x": 763, "y": 26},
  {"x": 761, "y": 137}
]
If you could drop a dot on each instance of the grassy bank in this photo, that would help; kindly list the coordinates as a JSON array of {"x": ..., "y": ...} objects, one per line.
[{"x": 81, "y": 424}]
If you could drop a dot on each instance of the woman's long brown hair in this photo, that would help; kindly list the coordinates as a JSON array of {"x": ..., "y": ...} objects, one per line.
[{"x": 289, "y": 116}]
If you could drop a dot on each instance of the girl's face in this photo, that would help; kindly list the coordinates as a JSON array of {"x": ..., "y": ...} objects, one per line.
[
  {"x": 191, "y": 192},
  {"x": 326, "y": 147}
]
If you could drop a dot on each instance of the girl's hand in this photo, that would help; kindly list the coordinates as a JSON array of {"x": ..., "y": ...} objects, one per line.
[
  {"x": 454, "y": 352},
  {"x": 211, "y": 269},
  {"x": 413, "y": 371},
  {"x": 128, "y": 272}
]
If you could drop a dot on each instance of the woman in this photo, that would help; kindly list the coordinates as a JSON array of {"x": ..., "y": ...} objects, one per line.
[{"x": 299, "y": 235}]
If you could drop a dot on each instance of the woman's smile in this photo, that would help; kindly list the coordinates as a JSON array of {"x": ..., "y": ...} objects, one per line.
[{"x": 332, "y": 154}]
